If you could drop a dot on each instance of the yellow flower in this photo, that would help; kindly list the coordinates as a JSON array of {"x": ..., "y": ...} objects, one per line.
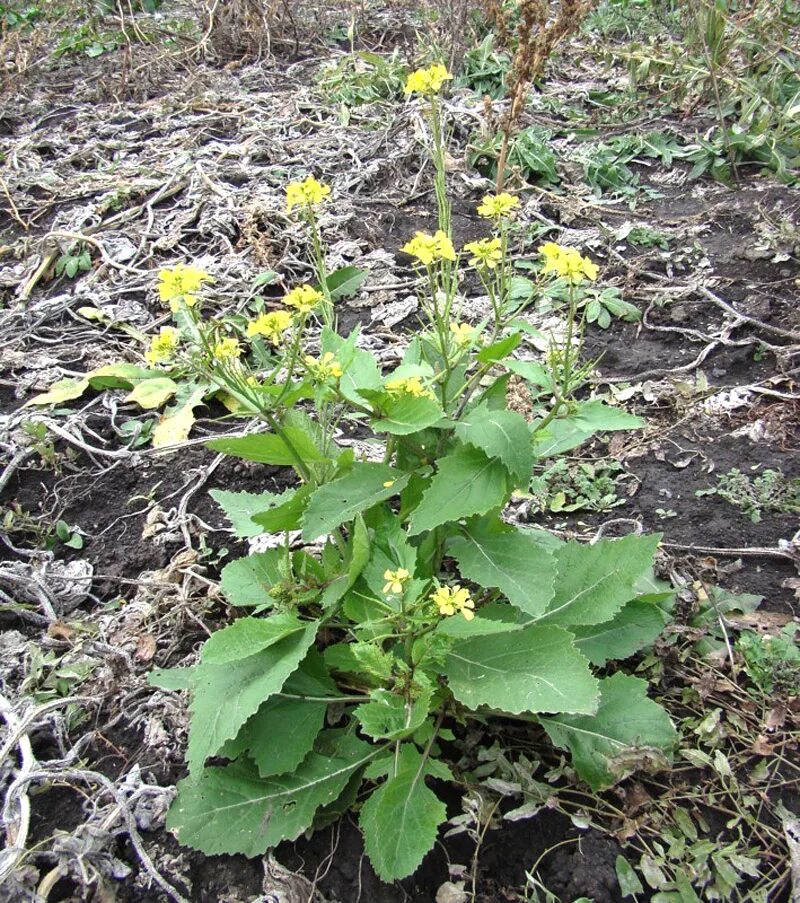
[
  {"x": 567, "y": 262},
  {"x": 427, "y": 81},
  {"x": 163, "y": 346},
  {"x": 303, "y": 299},
  {"x": 463, "y": 333},
  {"x": 226, "y": 349},
  {"x": 394, "y": 581},
  {"x": 429, "y": 248},
  {"x": 496, "y": 206},
  {"x": 308, "y": 193},
  {"x": 326, "y": 367},
  {"x": 409, "y": 385},
  {"x": 179, "y": 283},
  {"x": 272, "y": 325},
  {"x": 486, "y": 253},
  {"x": 451, "y": 600}
]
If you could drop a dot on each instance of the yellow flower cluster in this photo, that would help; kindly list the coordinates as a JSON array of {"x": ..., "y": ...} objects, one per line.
[
  {"x": 409, "y": 385},
  {"x": 451, "y": 600},
  {"x": 427, "y": 81},
  {"x": 463, "y": 333},
  {"x": 226, "y": 349},
  {"x": 163, "y": 346},
  {"x": 272, "y": 325},
  {"x": 486, "y": 253},
  {"x": 567, "y": 262},
  {"x": 429, "y": 248},
  {"x": 496, "y": 206},
  {"x": 307, "y": 194},
  {"x": 395, "y": 581},
  {"x": 303, "y": 299},
  {"x": 324, "y": 367},
  {"x": 180, "y": 283}
]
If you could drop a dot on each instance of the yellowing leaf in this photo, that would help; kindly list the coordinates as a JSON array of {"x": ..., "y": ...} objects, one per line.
[
  {"x": 174, "y": 426},
  {"x": 153, "y": 393},
  {"x": 61, "y": 391}
]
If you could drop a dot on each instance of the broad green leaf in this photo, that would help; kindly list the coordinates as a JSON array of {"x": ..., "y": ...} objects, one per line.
[
  {"x": 362, "y": 487},
  {"x": 500, "y": 434},
  {"x": 120, "y": 376},
  {"x": 628, "y": 732},
  {"x": 400, "y": 822},
  {"x": 271, "y": 448},
  {"x": 405, "y": 414},
  {"x": 247, "y": 636},
  {"x": 466, "y": 483},
  {"x": 494, "y": 554},
  {"x": 633, "y": 628},
  {"x": 59, "y": 392},
  {"x": 153, "y": 393},
  {"x": 345, "y": 282},
  {"x": 595, "y": 581},
  {"x": 225, "y": 696},
  {"x": 629, "y": 883},
  {"x": 283, "y": 731},
  {"x": 500, "y": 349},
  {"x": 248, "y": 581},
  {"x": 389, "y": 717},
  {"x": 176, "y": 423},
  {"x": 535, "y": 669},
  {"x": 359, "y": 549},
  {"x": 588, "y": 418},
  {"x": 360, "y": 369},
  {"x": 234, "y": 810},
  {"x": 239, "y": 507},
  {"x": 532, "y": 371},
  {"x": 171, "y": 678},
  {"x": 285, "y": 511}
]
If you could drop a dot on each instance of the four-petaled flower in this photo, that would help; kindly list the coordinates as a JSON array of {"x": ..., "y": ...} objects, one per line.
[
  {"x": 180, "y": 283},
  {"x": 226, "y": 349},
  {"x": 429, "y": 248},
  {"x": 567, "y": 262},
  {"x": 303, "y": 299},
  {"x": 307, "y": 194},
  {"x": 163, "y": 346},
  {"x": 272, "y": 325},
  {"x": 324, "y": 367},
  {"x": 451, "y": 600},
  {"x": 463, "y": 333},
  {"x": 427, "y": 81},
  {"x": 496, "y": 206},
  {"x": 394, "y": 581},
  {"x": 409, "y": 385},
  {"x": 486, "y": 253}
]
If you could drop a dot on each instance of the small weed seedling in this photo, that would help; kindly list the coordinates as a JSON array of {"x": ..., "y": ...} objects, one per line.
[{"x": 770, "y": 491}]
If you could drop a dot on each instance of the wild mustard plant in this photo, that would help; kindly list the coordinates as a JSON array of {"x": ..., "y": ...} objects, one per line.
[{"x": 396, "y": 602}]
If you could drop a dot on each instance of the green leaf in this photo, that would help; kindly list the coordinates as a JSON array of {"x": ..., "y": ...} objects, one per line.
[
  {"x": 233, "y": 810},
  {"x": 494, "y": 554},
  {"x": 389, "y": 717},
  {"x": 595, "y": 581},
  {"x": 498, "y": 350},
  {"x": 629, "y": 883},
  {"x": 225, "y": 696},
  {"x": 248, "y": 581},
  {"x": 466, "y": 483},
  {"x": 119, "y": 376},
  {"x": 270, "y": 448},
  {"x": 239, "y": 507},
  {"x": 247, "y": 636},
  {"x": 400, "y": 821},
  {"x": 59, "y": 392},
  {"x": 285, "y": 512},
  {"x": 627, "y": 733},
  {"x": 360, "y": 369},
  {"x": 177, "y": 421},
  {"x": 153, "y": 393},
  {"x": 405, "y": 414},
  {"x": 500, "y": 434},
  {"x": 345, "y": 282},
  {"x": 588, "y": 418},
  {"x": 339, "y": 501},
  {"x": 636, "y": 626},
  {"x": 536, "y": 669}
]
